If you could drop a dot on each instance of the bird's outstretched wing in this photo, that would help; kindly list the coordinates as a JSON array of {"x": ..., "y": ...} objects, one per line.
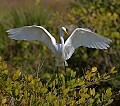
[
  {"x": 33, "y": 33},
  {"x": 87, "y": 38}
]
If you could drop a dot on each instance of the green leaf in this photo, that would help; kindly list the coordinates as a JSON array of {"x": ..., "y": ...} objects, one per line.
[
  {"x": 43, "y": 90},
  {"x": 85, "y": 90},
  {"x": 81, "y": 83},
  {"x": 3, "y": 66},
  {"x": 97, "y": 96},
  {"x": 109, "y": 102},
  {"x": 92, "y": 91},
  {"x": 113, "y": 70},
  {"x": 102, "y": 96},
  {"x": 16, "y": 75},
  {"x": 4, "y": 100},
  {"x": 30, "y": 77},
  {"x": 63, "y": 78},
  {"x": 65, "y": 91},
  {"x": 5, "y": 72},
  {"x": 84, "y": 95},
  {"x": 106, "y": 77},
  {"x": 94, "y": 69},
  {"x": 91, "y": 100},
  {"x": 108, "y": 92},
  {"x": 16, "y": 92},
  {"x": 82, "y": 100},
  {"x": 73, "y": 74}
]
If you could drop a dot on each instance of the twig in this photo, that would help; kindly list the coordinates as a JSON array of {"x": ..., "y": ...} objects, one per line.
[{"x": 39, "y": 67}]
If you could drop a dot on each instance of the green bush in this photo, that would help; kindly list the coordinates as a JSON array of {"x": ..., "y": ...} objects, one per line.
[
  {"x": 102, "y": 17},
  {"x": 20, "y": 89}
]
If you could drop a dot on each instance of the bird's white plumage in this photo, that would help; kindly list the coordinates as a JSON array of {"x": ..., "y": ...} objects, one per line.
[
  {"x": 87, "y": 38},
  {"x": 33, "y": 33},
  {"x": 63, "y": 51}
]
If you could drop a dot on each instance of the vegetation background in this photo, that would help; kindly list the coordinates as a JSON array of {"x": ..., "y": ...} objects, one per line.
[{"x": 101, "y": 16}]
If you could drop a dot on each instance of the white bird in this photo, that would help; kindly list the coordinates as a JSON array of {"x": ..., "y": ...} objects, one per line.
[{"x": 63, "y": 51}]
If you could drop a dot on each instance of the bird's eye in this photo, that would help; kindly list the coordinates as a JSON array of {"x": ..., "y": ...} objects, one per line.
[{"x": 66, "y": 29}]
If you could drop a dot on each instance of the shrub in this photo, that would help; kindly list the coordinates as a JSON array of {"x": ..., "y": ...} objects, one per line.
[{"x": 28, "y": 90}]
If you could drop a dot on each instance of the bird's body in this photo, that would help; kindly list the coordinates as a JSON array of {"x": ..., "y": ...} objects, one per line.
[
  {"x": 59, "y": 55},
  {"x": 63, "y": 51}
]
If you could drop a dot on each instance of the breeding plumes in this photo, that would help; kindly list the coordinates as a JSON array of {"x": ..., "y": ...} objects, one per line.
[{"x": 63, "y": 51}]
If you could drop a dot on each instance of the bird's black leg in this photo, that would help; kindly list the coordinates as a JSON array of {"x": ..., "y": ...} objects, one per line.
[
  {"x": 65, "y": 70},
  {"x": 57, "y": 72},
  {"x": 65, "y": 74},
  {"x": 58, "y": 80}
]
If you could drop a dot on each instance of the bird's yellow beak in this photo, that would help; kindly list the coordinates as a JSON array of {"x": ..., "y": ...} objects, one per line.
[{"x": 66, "y": 32}]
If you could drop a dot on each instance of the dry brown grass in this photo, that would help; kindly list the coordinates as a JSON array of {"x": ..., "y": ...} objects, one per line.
[{"x": 58, "y": 5}]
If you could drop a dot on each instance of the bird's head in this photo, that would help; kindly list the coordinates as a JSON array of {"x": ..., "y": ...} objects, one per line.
[{"x": 65, "y": 30}]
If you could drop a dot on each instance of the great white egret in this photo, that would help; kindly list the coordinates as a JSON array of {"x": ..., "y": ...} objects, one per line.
[{"x": 63, "y": 51}]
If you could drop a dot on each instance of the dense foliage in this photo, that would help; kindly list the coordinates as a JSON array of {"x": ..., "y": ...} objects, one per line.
[
  {"x": 28, "y": 90},
  {"x": 20, "y": 84}
]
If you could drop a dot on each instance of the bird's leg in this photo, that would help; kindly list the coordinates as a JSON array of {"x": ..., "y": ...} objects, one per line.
[
  {"x": 65, "y": 74},
  {"x": 57, "y": 73},
  {"x": 65, "y": 70},
  {"x": 58, "y": 79}
]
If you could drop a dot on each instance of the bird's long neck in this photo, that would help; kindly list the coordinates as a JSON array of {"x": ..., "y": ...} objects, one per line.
[
  {"x": 61, "y": 36},
  {"x": 62, "y": 43}
]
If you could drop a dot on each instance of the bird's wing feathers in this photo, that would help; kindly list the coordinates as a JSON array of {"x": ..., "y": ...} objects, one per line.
[
  {"x": 33, "y": 33},
  {"x": 87, "y": 38}
]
